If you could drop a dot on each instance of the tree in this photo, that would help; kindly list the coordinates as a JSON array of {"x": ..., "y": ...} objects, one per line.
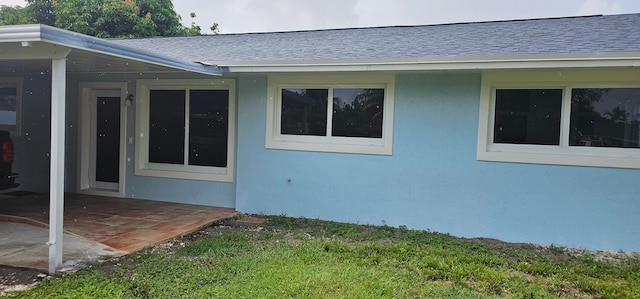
[
  {"x": 41, "y": 11},
  {"x": 194, "y": 29},
  {"x": 13, "y": 15},
  {"x": 214, "y": 28},
  {"x": 125, "y": 19},
  {"x": 78, "y": 15},
  {"x": 103, "y": 18},
  {"x": 165, "y": 19},
  {"x": 119, "y": 18}
]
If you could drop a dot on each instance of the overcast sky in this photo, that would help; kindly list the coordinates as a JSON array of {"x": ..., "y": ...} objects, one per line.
[{"x": 238, "y": 16}]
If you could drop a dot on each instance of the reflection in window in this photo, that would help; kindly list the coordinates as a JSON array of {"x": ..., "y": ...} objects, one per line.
[
  {"x": 8, "y": 102},
  {"x": 166, "y": 126},
  {"x": 357, "y": 112},
  {"x": 304, "y": 111},
  {"x": 208, "y": 127},
  {"x": 528, "y": 116},
  {"x": 605, "y": 117}
]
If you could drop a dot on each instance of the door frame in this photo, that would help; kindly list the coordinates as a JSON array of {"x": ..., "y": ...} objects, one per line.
[{"x": 84, "y": 137}]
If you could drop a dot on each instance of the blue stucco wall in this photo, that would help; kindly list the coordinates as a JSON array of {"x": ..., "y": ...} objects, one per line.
[{"x": 433, "y": 180}]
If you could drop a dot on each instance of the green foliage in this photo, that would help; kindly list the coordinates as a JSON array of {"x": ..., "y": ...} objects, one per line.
[
  {"x": 214, "y": 28},
  {"x": 227, "y": 244},
  {"x": 103, "y": 18},
  {"x": 10, "y": 15},
  {"x": 78, "y": 16},
  {"x": 282, "y": 221},
  {"x": 161, "y": 13},
  {"x": 119, "y": 18},
  {"x": 41, "y": 11},
  {"x": 303, "y": 258}
]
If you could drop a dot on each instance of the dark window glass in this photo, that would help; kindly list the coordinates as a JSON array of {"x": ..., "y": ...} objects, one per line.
[
  {"x": 208, "y": 127},
  {"x": 304, "y": 111},
  {"x": 528, "y": 116},
  {"x": 108, "y": 139},
  {"x": 605, "y": 117},
  {"x": 166, "y": 126},
  {"x": 357, "y": 112}
]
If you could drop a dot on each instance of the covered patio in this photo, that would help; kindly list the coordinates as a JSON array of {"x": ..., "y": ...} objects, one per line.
[
  {"x": 122, "y": 224},
  {"x": 31, "y": 55}
]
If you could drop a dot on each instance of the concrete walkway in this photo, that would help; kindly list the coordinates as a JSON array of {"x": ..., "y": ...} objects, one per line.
[{"x": 24, "y": 246}]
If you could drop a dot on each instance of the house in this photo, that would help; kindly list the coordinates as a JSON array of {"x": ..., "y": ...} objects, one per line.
[{"x": 525, "y": 130}]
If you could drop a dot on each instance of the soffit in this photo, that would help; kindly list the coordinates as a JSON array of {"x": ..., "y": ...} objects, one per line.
[{"x": 79, "y": 62}]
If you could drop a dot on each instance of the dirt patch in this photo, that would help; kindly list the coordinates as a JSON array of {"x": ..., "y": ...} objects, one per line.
[
  {"x": 247, "y": 219},
  {"x": 17, "y": 279},
  {"x": 557, "y": 252}
]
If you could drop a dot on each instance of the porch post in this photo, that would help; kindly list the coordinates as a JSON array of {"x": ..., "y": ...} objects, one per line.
[{"x": 56, "y": 183}]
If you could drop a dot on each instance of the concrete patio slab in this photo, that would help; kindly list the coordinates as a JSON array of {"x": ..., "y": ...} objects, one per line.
[
  {"x": 24, "y": 246},
  {"x": 95, "y": 226}
]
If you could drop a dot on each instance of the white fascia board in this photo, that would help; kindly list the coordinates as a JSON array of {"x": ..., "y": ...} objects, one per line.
[
  {"x": 495, "y": 62},
  {"x": 19, "y": 33},
  {"x": 56, "y": 36},
  {"x": 96, "y": 45}
]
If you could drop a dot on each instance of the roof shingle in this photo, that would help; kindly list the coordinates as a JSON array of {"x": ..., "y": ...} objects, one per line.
[{"x": 590, "y": 34}]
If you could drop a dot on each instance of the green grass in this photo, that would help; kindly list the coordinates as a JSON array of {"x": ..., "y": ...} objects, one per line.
[{"x": 303, "y": 258}]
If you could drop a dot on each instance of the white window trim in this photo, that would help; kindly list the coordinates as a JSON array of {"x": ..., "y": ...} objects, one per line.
[
  {"x": 562, "y": 154},
  {"x": 358, "y": 145},
  {"x": 14, "y": 130},
  {"x": 190, "y": 172}
]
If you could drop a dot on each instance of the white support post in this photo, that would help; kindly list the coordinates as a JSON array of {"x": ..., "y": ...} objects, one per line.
[{"x": 56, "y": 187}]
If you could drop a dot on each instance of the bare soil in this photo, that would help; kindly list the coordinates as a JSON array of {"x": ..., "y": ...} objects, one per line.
[{"x": 17, "y": 279}]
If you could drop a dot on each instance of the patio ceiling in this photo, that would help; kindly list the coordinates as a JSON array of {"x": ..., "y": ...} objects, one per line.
[{"x": 80, "y": 62}]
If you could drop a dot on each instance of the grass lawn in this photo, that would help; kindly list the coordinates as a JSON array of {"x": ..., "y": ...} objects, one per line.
[{"x": 303, "y": 258}]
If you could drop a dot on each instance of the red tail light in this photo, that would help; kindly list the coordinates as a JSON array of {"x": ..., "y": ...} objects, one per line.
[{"x": 7, "y": 151}]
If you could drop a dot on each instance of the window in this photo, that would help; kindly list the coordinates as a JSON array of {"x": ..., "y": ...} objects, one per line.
[
  {"x": 588, "y": 118},
  {"x": 186, "y": 129},
  {"x": 528, "y": 116},
  {"x": 605, "y": 117},
  {"x": 349, "y": 114},
  {"x": 10, "y": 104}
]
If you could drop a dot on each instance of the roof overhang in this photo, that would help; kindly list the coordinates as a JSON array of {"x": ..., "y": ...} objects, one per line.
[
  {"x": 85, "y": 54},
  {"x": 439, "y": 63}
]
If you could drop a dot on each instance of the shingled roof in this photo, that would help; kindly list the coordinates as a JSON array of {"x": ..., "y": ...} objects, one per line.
[{"x": 587, "y": 36}]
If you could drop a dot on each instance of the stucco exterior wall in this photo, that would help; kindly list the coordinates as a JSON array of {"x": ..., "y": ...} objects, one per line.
[{"x": 433, "y": 180}]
